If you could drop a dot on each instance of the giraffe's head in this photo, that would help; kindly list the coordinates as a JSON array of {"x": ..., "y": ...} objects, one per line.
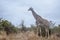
[{"x": 30, "y": 9}]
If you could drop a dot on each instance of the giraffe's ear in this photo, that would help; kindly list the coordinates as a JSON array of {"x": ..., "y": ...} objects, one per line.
[{"x": 30, "y": 8}]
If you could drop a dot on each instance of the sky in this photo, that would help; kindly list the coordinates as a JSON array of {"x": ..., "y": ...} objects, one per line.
[{"x": 17, "y": 10}]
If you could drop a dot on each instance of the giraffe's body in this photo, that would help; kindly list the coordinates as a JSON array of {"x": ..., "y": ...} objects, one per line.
[{"x": 40, "y": 20}]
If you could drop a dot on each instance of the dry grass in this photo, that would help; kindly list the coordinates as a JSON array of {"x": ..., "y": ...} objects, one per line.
[
  {"x": 3, "y": 35},
  {"x": 26, "y": 36}
]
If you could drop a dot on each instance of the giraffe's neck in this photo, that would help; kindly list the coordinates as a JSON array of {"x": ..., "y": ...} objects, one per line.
[{"x": 35, "y": 14}]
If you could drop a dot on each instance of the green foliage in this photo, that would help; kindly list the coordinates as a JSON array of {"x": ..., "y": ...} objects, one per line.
[
  {"x": 7, "y": 26},
  {"x": 56, "y": 29}
]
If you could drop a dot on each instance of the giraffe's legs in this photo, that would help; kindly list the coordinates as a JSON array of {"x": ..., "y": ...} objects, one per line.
[
  {"x": 47, "y": 33},
  {"x": 38, "y": 28},
  {"x": 40, "y": 32}
]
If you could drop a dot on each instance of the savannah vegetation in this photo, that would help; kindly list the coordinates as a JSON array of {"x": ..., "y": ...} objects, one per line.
[{"x": 9, "y": 28}]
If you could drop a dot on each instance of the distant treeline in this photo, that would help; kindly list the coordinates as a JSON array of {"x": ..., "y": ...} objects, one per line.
[{"x": 7, "y": 26}]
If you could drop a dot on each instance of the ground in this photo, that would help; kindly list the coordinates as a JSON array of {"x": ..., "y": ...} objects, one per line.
[{"x": 29, "y": 35}]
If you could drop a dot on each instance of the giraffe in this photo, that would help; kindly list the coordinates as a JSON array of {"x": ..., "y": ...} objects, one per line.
[{"x": 40, "y": 21}]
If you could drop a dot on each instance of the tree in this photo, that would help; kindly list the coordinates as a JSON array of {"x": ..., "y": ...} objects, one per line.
[
  {"x": 7, "y": 26},
  {"x": 23, "y": 28}
]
